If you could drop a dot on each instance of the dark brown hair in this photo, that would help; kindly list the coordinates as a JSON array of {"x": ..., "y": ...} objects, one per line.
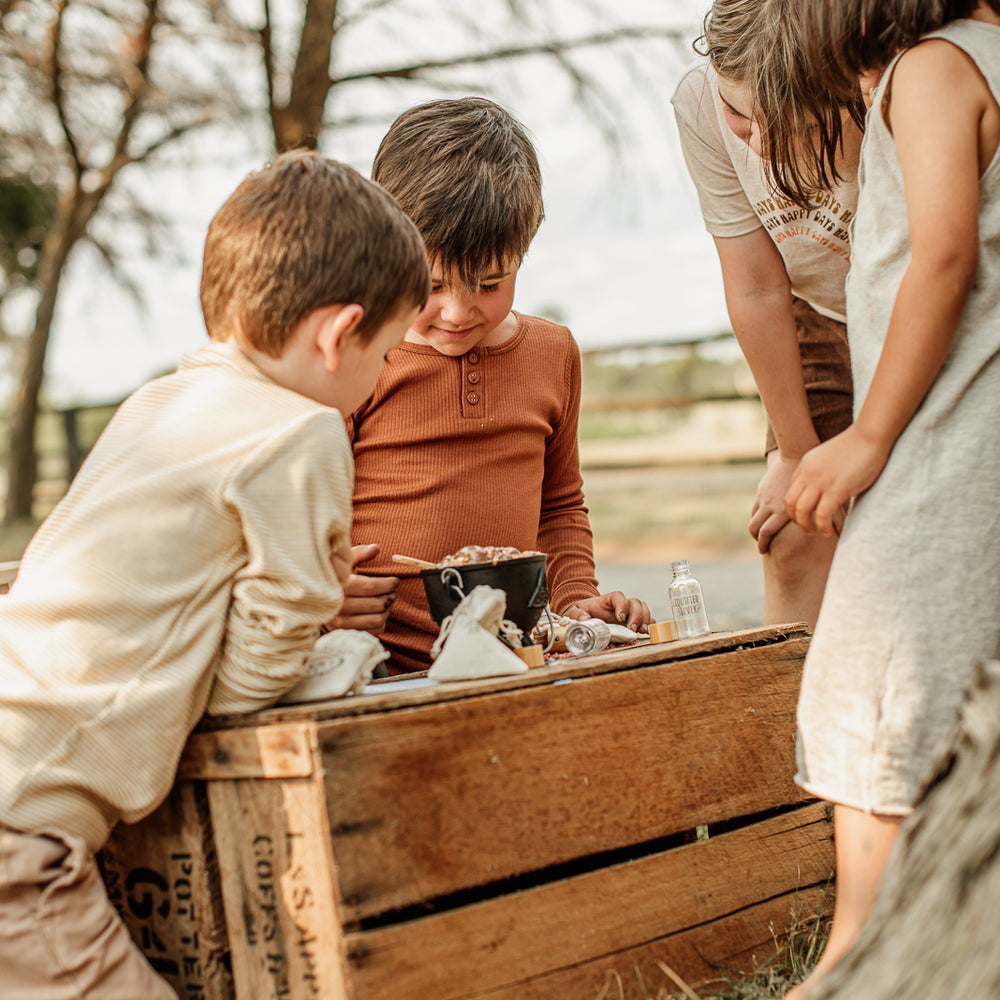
[
  {"x": 302, "y": 233},
  {"x": 466, "y": 173},
  {"x": 760, "y": 45},
  {"x": 848, "y": 37}
]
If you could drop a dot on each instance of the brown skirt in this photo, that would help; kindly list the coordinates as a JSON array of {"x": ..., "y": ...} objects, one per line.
[{"x": 826, "y": 368}]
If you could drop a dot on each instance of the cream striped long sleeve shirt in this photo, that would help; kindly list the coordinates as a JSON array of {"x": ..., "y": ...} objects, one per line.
[{"x": 186, "y": 570}]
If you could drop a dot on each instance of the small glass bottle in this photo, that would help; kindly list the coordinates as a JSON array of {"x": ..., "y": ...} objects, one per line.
[
  {"x": 687, "y": 602},
  {"x": 590, "y": 636}
]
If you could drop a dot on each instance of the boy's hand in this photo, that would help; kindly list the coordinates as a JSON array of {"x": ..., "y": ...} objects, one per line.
[
  {"x": 367, "y": 599},
  {"x": 829, "y": 476},
  {"x": 614, "y": 607},
  {"x": 768, "y": 515}
]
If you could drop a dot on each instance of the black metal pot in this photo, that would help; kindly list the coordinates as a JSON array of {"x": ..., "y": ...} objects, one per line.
[{"x": 522, "y": 580}]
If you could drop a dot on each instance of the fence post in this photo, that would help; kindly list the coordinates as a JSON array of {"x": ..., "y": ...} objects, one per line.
[{"x": 74, "y": 453}]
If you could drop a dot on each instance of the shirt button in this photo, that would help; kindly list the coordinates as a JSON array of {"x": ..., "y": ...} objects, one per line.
[
  {"x": 473, "y": 357},
  {"x": 473, "y": 397},
  {"x": 473, "y": 376}
]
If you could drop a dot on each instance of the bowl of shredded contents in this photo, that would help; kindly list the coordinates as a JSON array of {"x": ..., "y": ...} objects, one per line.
[{"x": 520, "y": 575}]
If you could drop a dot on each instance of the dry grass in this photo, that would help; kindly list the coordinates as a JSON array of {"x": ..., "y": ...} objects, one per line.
[
  {"x": 789, "y": 965},
  {"x": 642, "y": 514}
]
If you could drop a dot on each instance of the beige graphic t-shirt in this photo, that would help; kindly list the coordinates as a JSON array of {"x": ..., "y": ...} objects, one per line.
[{"x": 736, "y": 197}]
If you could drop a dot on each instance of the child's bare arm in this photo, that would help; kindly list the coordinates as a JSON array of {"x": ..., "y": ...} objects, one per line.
[
  {"x": 938, "y": 100},
  {"x": 759, "y": 299}
]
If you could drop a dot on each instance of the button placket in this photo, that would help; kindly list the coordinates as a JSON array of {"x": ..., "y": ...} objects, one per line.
[{"x": 473, "y": 378}]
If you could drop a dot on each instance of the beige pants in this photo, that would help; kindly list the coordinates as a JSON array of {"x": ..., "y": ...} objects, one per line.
[{"x": 60, "y": 937}]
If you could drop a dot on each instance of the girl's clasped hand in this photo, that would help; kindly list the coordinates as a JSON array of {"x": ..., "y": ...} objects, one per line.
[{"x": 829, "y": 476}]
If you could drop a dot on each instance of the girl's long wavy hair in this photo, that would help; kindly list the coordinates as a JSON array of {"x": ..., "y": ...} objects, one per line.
[
  {"x": 845, "y": 38},
  {"x": 761, "y": 46}
]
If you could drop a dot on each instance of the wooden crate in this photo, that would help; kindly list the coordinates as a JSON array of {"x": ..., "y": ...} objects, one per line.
[{"x": 523, "y": 837}]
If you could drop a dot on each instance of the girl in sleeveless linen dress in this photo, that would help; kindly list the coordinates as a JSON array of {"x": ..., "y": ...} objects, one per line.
[{"x": 913, "y": 598}]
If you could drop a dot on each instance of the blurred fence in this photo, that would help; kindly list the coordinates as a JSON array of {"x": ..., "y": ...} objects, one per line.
[{"x": 652, "y": 403}]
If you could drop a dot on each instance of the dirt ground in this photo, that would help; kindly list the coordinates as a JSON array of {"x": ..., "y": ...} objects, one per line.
[{"x": 643, "y": 518}]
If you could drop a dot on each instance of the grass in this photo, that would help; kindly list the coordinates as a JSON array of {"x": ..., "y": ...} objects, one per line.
[
  {"x": 643, "y": 514},
  {"x": 789, "y": 965}
]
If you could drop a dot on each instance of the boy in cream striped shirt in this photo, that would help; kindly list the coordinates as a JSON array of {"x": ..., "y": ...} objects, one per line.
[{"x": 189, "y": 566}]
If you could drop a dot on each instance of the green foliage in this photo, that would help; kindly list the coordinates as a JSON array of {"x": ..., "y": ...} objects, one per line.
[{"x": 27, "y": 211}]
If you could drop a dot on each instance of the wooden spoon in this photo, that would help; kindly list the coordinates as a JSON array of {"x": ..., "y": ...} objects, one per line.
[{"x": 411, "y": 561}]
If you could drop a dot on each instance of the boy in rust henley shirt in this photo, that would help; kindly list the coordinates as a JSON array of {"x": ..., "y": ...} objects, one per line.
[{"x": 471, "y": 434}]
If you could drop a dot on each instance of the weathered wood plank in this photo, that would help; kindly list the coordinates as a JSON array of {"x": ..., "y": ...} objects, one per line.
[
  {"x": 162, "y": 877},
  {"x": 726, "y": 950},
  {"x": 8, "y": 573},
  {"x": 386, "y": 697},
  {"x": 281, "y": 751},
  {"x": 454, "y": 795},
  {"x": 278, "y": 889},
  {"x": 589, "y": 918}
]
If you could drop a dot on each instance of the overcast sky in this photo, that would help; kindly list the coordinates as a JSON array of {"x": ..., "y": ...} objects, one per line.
[{"x": 622, "y": 254}]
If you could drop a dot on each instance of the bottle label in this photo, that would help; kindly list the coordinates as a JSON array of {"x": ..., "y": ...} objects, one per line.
[
  {"x": 689, "y": 612},
  {"x": 687, "y": 606}
]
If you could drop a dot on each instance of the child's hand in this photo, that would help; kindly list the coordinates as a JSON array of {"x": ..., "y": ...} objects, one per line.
[
  {"x": 830, "y": 475},
  {"x": 614, "y": 607},
  {"x": 768, "y": 515},
  {"x": 367, "y": 599}
]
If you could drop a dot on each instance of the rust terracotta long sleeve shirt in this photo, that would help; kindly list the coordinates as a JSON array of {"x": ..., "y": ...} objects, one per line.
[{"x": 478, "y": 449}]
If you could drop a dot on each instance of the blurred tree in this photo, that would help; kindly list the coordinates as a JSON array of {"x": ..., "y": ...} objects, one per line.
[
  {"x": 319, "y": 55},
  {"x": 26, "y": 212},
  {"x": 100, "y": 87},
  {"x": 92, "y": 88}
]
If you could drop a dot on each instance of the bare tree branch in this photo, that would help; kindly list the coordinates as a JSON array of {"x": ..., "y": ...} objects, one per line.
[
  {"x": 55, "y": 83},
  {"x": 416, "y": 71}
]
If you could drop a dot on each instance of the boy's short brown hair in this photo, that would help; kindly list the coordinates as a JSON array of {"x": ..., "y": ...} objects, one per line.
[
  {"x": 466, "y": 173},
  {"x": 302, "y": 233}
]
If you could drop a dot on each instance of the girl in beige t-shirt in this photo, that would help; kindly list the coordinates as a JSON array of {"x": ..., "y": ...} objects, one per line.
[{"x": 753, "y": 125}]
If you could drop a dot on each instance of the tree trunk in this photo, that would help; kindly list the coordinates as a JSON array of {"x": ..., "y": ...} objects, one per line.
[
  {"x": 22, "y": 461},
  {"x": 933, "y": 933},
  {"x": 300, "y": 121}
]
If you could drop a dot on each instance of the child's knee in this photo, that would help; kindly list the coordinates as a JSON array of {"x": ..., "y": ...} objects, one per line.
[{"x": 795, "y": 558}]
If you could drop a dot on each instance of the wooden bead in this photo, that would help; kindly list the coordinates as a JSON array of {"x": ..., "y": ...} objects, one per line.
[{"x": 662, "y": 631}]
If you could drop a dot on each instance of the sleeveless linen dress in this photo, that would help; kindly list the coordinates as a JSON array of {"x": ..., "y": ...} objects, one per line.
[{"x": 913, "y": 599}]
